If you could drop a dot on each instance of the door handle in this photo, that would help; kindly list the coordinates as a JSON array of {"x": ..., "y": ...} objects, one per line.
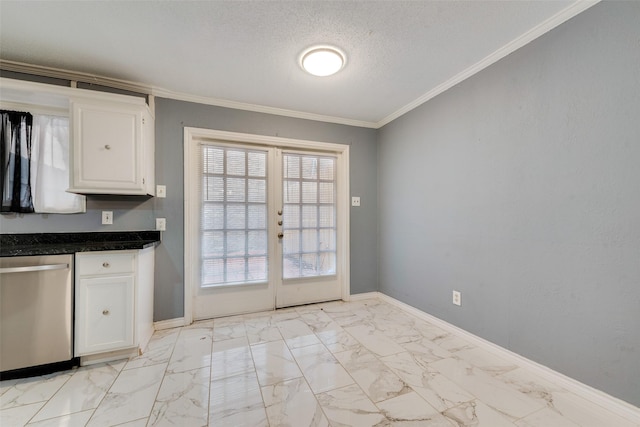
[{"x": 34, "y": 268}]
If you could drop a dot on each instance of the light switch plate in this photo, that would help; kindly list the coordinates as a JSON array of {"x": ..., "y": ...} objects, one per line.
[
  {"x": 355, "y": 201},
  {"x": 161, "y": 224},
  {"x": 107, "y": 217},
  {"x": 161, "y": 191}
]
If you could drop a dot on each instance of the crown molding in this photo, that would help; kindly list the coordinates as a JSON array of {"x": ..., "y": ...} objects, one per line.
[
  {"x": 164, "y": 93},
  {"x": 74, "y": 76},
  {"x": 564, "y": 15}
]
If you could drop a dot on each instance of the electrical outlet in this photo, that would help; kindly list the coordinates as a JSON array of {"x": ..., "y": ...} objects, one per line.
[
  {"x": 355, "y": 201},
  {"x": 161, "y": 191},
  {"x": 161, "y": 224},
  {"x": 457, "y": 298},
  {"x": 107, "y": 217}
]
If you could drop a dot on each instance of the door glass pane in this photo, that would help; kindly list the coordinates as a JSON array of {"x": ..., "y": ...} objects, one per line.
[
  {"x": 234, "y": 216},
  {"x": 309, "y": 194}
]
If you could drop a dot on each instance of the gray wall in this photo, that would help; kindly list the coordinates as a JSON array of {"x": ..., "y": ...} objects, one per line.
[
  {"x": 520, "y": 188},
  {"x": 171, "y": 118},
  {"x": 139, "y": 213}
]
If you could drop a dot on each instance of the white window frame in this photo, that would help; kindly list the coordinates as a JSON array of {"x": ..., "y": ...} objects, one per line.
[{"x": 192, "y": 137}]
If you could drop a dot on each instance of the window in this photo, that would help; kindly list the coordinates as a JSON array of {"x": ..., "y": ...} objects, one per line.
[
  {"x": 234, "y": 216},
  {"x": 35, "y": 164},
  {"x": 50, "y": 167},
  {"x": 309, "y": 198}
]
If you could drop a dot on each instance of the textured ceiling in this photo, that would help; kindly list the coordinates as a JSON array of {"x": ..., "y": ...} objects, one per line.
[{"x": 247, "y": 52}]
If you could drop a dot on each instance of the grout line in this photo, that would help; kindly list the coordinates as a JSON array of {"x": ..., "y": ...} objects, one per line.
[{"x": 20, "y": 381}]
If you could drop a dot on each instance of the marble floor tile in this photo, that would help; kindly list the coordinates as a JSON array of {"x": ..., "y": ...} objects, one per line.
[
  {"x": 349, "y": 406},
  {"x": 32, "y": 390},
  {"x": 319, "y": 306},
  {"x": 142, "y": 422},
  {"x": 6, "y": 385},
  {"x": 84, "y": 390},
  {"x": 435, "y": 388},
  {"x": 284, "y": 314},
  {"x": 453, "y": 343},
  {"x": 545, "y": 417},
  {"x": 485, "y": 360},
  {"x": 349, "y": 314},
  {"x": 430, "y": 331},
  {"x": 292, "y": 403},
  {"x": 130, "y": 398},
  {"x": 78, "y": 419},
  {"x": 226, "y": 330},
  {"x": 319, "y": 321},
  {"x": 159, "y": 349},
  {"x": 476, "y": 414},
  {"x": 296, "y": 333},
  {"x": 338, "y": 340},
  {"x": 237, "y": 402},
  {"x": 495, "y": 393},
  {"x": 532, "y": 385},
  {"x": 261, "y": 330},
  {"x": 338, "y": 364},
  {"x": 274, "y": 363},
  {"x": 427, "y": 350},
  {"x": 19, "y": 415},
  {"x": 183, "y": 399},
  {"x": 200, "y": 324},
  {"x": 376, "y": 380},
  {"x": 560, "y": 401},
  {"x": 322, "y": 371},
  {"x": 374, "y": 340},
  {"x": 410, "y": 409},
  {"x": 231, "y": 357},
  {"x": 585, "y": 413},
  {"x": 192, "y": 350}
]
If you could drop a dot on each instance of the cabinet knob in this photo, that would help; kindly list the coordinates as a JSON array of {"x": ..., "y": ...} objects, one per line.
[
  {"x": 108, "y": 147},
  {"x": 106, "y": 264},
  {"x": 105, "y": 312}
]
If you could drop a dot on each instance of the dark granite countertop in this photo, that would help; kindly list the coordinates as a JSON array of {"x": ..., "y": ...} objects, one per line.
[{"x": 24, "y": 244}]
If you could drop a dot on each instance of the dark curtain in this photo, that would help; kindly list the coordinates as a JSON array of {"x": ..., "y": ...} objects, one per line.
[{"x": 15, "y": 152}]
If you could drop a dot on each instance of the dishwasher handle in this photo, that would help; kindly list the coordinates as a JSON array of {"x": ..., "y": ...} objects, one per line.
[{"x": 31, "y": 268}]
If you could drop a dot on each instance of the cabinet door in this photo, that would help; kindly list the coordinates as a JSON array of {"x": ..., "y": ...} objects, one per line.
[
  {"x": 108, "y": 148},
  {"x": 104, "y": 314}
]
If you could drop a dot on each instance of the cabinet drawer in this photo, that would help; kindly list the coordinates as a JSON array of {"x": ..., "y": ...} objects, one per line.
[{"x": 104, "y": 263}]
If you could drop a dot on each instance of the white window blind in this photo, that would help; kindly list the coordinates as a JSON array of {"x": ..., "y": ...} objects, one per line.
[
  {"x": 233, "y": 216},
  {"x": 309, "y": 216}
]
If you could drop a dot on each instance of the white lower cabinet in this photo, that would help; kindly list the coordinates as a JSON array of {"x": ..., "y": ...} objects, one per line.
[
  {"x": 114, "y": 301},
  {"x": 105, "y": 314}
]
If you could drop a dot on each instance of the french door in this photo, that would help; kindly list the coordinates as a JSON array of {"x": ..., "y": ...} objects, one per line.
[{"x": 265, "y": 224}]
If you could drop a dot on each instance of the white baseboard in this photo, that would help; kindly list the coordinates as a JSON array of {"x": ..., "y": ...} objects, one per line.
[
  {"x": 110, "y": 356},
  {"x": 169, "y": 324},
  {"x": 589, "y": 393},
  {"x": 365, "y": 295}
]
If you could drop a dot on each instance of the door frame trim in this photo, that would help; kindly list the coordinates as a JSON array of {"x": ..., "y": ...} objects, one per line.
[{"x": 192, "y": 135}]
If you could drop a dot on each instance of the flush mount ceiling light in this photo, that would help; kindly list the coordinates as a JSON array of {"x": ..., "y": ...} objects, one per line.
[{"x": 322, "y": 61}]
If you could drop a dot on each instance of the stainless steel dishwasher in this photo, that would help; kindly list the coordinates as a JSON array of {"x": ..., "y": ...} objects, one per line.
[{"x": 36, "y": 313}]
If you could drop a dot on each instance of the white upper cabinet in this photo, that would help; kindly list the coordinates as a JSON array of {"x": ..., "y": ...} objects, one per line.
[
  {"x": 112, "y": 147},
  {"x": 111, "y": 138}
]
